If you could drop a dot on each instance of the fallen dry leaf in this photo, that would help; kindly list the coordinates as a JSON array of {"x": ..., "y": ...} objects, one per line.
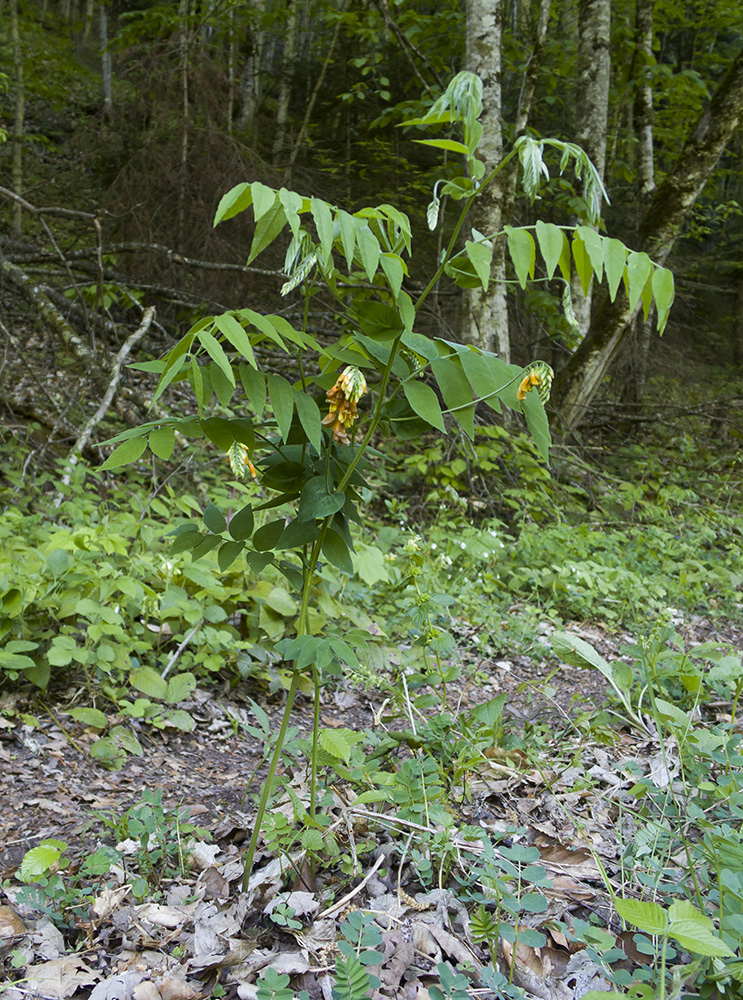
[{"x": 61, "y": 978}]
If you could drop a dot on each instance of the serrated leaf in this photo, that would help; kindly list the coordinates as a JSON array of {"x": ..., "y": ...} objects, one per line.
[
  {"x": 39, "y": 860},
  {"x": 335, "y": 742},
  {"x": 149, "y": 682},
  {"x": 180, "y": 687},
  {"x": 125, "y": 453},
  {"x": 649, "y": 917},
  {"x": 180, "y": 719},
  {"x": 694, "y": 931}
]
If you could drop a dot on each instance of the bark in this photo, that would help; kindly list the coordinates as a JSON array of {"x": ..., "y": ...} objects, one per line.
[
  {"x": 20, "y": 101},
  {"x": 485, "y": 314},
  {"x": 669, "y": 206},
  {"x": 183, "y": 16},
  {"x": 594, "y": 79},
  {"x": 643, "y": 109},
  {"x": 105, "y": 61},
  {"x": 285, "y": 83},
  {"x": 250, "y": 87}
]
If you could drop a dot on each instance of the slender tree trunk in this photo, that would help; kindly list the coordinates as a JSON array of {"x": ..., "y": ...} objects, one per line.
[
  {"x": 250, "y": 87},
  {"x": 592, "y": 107},
  {"x": 20, "y": 104},
  {"x": 183, "y": 15},
  {"x": 485, "y": 314},
  {"x": 669, "y": 206},
  {"x": 230, "y": 70},
  {"x": 285, "y": 82},
  {"x": 105, "y": 62}
]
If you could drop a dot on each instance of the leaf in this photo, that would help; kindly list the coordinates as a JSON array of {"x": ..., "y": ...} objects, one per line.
[
  {"x": 241, "y": 523},
  {"x": 449, "y": 144},
  {"x": 149, "y": 682},
  {"x": 424, "y": 401},
  {"x": 228, "y": 553},
  {"x": 694, "y": 931},
  {"x": 337, "y": 552},
  {"x": 267, "y": 229},
  {"x": 582, "y": 263},
  {"x": 432, "y": 212},
  {"x": 481, "y": 257},
  {"x": 254, "y": 384},
  {"x": 324, "y": 225},
  {"x": 523, "y": 253},
  {"x": 236, "y": 335},
  {"x": 539, "y": 427},
  {"x": 394, "y": 271},
  {"x": 552, "y": 245},
  {"x": 216, "y": 353},
  {"x": 281, "y": 395},
  {"x": 639, "y": 269},
  {"x": 281, "y": 601},
  {"x": 214, "y": 519},
  {"x": 335, "y": 743},
  {"x": 347, "y": 228},
  {"x": 267, "y": 536},
  {"x": 180, "y": 687},
  {"x": 310, "y": 418},
  {"x": 125, "y": 453},
  {"x": 456, "y": 392},
  {"x": 316, "y": 501},
  {"x": 263, "y": 198},
  {"x": 223, "y": 388},
  {"x": 649, "y": 917},
  {"x": 235, "y": 201},
  {"x": 162, "y": 442},
  {"x": 663, "y": 292},
  {"x": 595, "y": 249},
  {"x": 92, "y": 717},
  {"x": 368, "y": 250},
  {"x": 39, "y": 860},
  {"x": 615, "y": 255}
]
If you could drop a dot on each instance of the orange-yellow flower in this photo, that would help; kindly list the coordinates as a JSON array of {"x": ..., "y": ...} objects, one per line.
[
  {"x": 527, "y": 384},
  {"x": 342, "y": 399},
  {"x": 238, "y": 456}
]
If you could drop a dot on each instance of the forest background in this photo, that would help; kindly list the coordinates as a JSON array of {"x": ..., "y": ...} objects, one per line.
[{"x": 125, "y": 126}]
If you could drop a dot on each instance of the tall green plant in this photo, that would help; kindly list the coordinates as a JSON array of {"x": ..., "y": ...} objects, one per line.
[{"x": 309, "y": 453}]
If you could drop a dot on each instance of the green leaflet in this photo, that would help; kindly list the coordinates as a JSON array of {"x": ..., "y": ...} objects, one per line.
[
  {"x": 125, "y": 453},
  {"x": 523, "y": 253},
  {"x": 281, "y": 395},
  {"x": 424, "y": 401}
]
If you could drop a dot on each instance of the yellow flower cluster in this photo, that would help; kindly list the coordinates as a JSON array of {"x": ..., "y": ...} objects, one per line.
[
  {"x": 527, "y": 384},
  {"x": 539, "y": 375},
  {"x": 343, "y": 397},
  {"x": 238, "y": 456}
]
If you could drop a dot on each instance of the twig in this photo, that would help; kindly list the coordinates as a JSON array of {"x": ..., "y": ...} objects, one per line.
[
  {"x": 345, "y": 900},
  {"x": 177, "y": 653}
]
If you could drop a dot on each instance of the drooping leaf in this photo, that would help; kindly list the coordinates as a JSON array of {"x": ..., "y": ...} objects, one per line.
[
  {"x": 523, "y": 253},
  {"x": 615, "y": 255},
  {"x": 553, "y": 244},
  {"x": 481, "y": 256},
  {"x": 241, "y": 524},
  {"x": 236, "y": 335},
  {"x": 663, "y": 292},
  {"x": 425, "y": 403},
  {"x": 281, "y": 395},
  {"x": 162, "y": 442},
  {"x": 216, "y": 352},
  {"x": 267, "y": 229},
  {"x": 310, "y": 418},
  {"x": 228, "y": 553}
]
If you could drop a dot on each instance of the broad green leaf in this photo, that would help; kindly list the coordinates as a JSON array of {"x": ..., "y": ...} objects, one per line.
[
  {"x": 263, "y": 199},
  {"x": 149, "y": 682},
  {"x": 254, "y": 384},
  {"x": 39, "y": 860},
  {"x": 672, "y": 715},
  {"x": 663, "y": 292},
  {"x": 310, "y": 418},
  {"x": 196, "y": 380},
  {"x": 281, "y": 601},
  {"x": 324, "y": 225},
  {"x": 298, "y": 533},
  {"x": 539, "y": 427},
  {"x": 235, "y": 201},
  {"x": 222, "y": 387},
  {"x": 553, "y": 243},
  {"x": 216, "y": 353},
  {"x": 92, "y": 717},
  {"x": 228, "y": 553},
  {"x": 336, "y": 551},
  {"x": 615, "y": 255},
  {"x": 292, "y": 205},
  {"x": 180, "y": 687},
  {"x": 456, "y": 392},
  {"x": 694, "y": 931},
  {"x": 267, "y": 536},
  {"x": 347, "y": 227},
  {"x": 481, "y": 375},
  {"x": 241, "y": 524},
  {"x": 424, "y": 401},
  {"x": 595, "y": 248},
  {"x": 234, "y": 332},
  {"x": 205, "y": 546},
  {"x": 264, "y": 325},
  {"x": 214, "y": 519},
  {"x": 582, "y": 263},
  {"x": 281, "y": 395},
  {"x": 523, "y": 253},
  {"x": 639, "y": 269},
  {"x": 317, "y": 502},
  {"x": 449, "y": 144},
  {"x": 219, "y": 432},
  {"x": 649, "y": 917},
  {"x": 481, "y": 257},
  {"x": 336, "y": 743},
  {"x": 125, "y": 739},
  {"x": 186, "y": 541},
  {"x": 162, "y": 442},
  {"x": 394, "y": 269},
  {"x": 125, "y": 453},
  {"x": 179, "y": 719},
  {"x": 267, "y": 229},
  {"x": 368, "y": 250}
]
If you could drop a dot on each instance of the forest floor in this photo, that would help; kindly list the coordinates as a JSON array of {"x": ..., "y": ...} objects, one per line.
[{"x": 198, "y": 935}]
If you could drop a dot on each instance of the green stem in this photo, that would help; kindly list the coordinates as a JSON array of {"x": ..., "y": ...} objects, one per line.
[{"x": 291, "y": 695}]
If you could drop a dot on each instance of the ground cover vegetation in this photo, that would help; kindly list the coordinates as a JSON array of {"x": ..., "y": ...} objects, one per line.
[{"x": 488, "y": 682}]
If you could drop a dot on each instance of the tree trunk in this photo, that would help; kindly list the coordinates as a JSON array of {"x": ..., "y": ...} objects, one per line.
[
  {"x": 105, "y": 61},
  {"x": 485, "y": 314},
  {"x": 592, "y": 105},
  {"x": 669, "y": 206},
  {"x": 285, "y": 82},
  {"x": 20, "y": 103},
  {"x": 643, "y": 110},
  {"x": 183, "y": 17},
  {"x": 250, "y": 86}
]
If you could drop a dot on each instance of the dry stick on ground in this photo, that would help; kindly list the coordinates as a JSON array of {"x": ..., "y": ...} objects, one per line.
[{"x": 74, "y": 456}]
